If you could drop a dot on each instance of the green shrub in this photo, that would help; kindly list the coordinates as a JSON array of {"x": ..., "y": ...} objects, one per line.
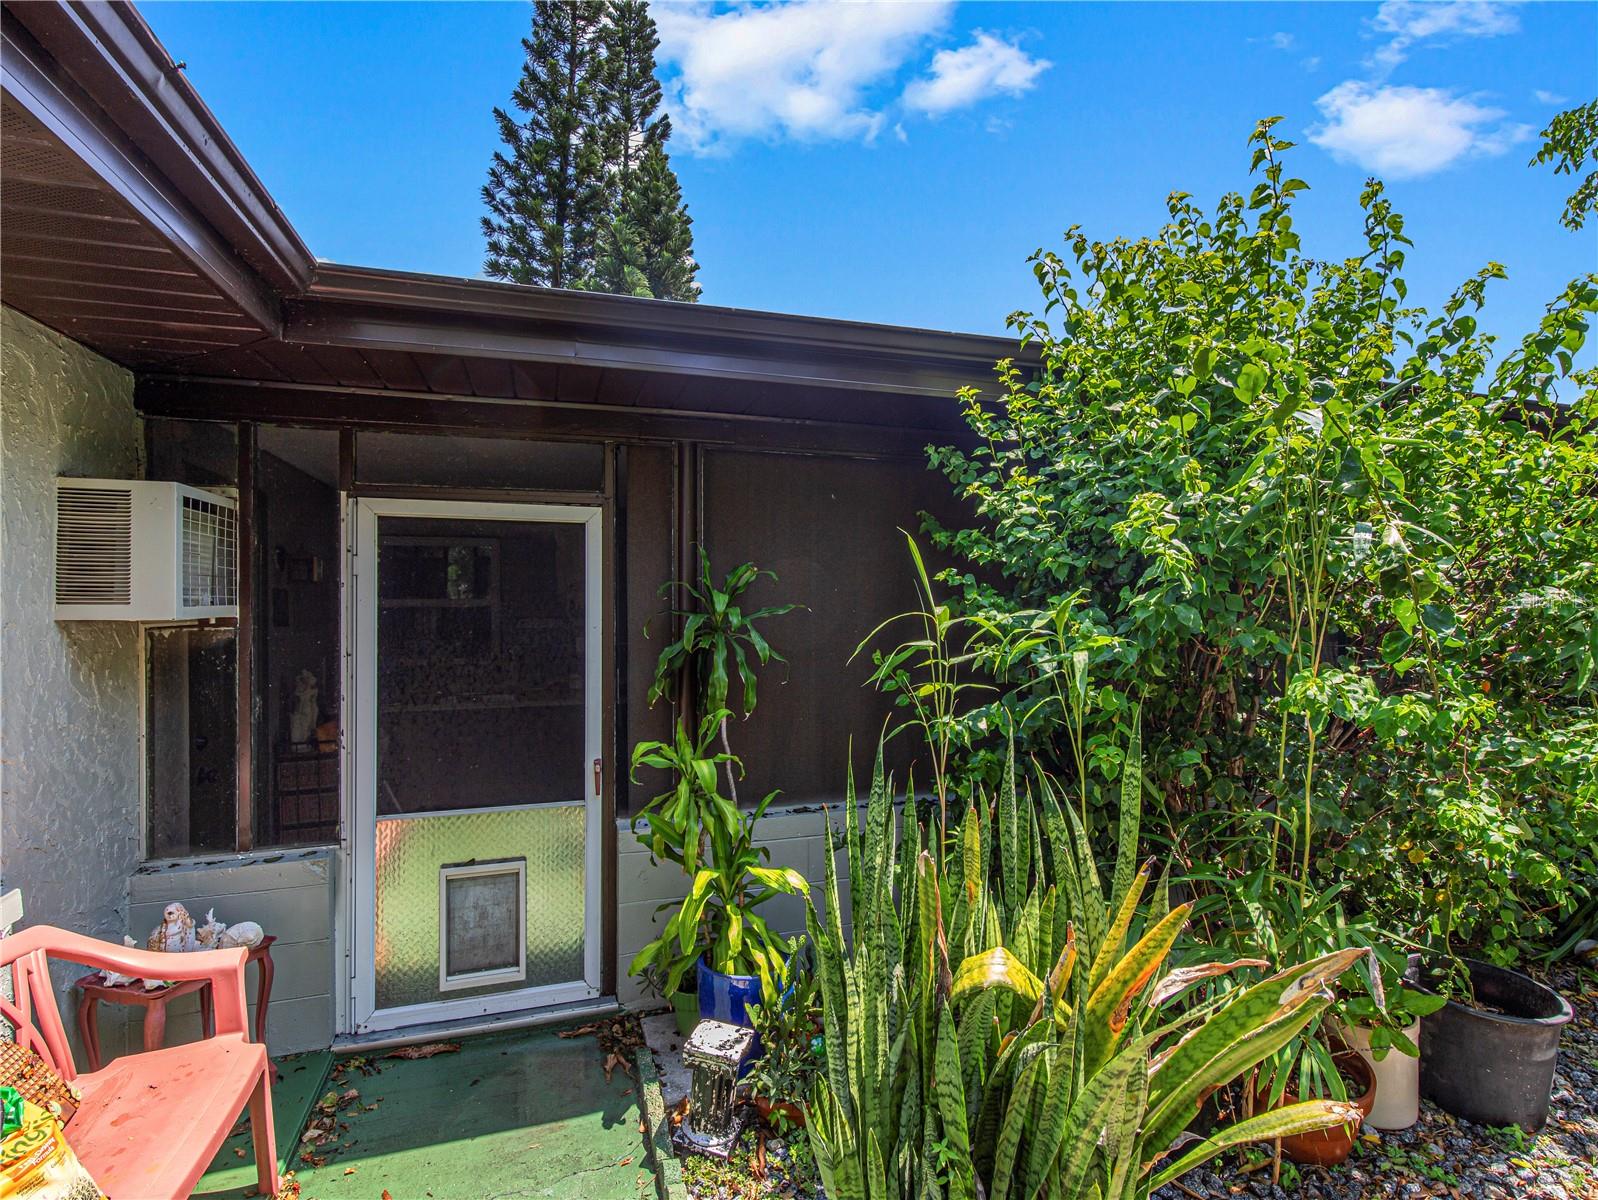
[{"x": 1348, "y": 564}]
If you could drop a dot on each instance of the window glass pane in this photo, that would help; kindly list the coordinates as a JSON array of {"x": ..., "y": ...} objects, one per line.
[
  {"x": 191, "y": 702},
  {"x": 451, "y": 460},
  {"x": 480, "y": 687},
  {"x": 199, "y": 453},
  {"x": 296, "y": 621}
]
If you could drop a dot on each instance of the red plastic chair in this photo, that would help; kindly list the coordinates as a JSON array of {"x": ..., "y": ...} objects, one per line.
[{"x": 149, "y": 1124}]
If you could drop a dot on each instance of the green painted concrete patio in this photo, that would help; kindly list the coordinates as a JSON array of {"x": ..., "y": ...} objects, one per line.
[{"x": 527, "y": 1113}]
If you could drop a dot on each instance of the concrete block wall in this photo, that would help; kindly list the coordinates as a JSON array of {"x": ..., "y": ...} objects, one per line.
[
  {"x": 290, "y": 893},
  {"x": 795, "y": 839}
]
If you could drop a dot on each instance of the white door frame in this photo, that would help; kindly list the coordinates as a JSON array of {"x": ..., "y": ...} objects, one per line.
[{"x": 361, "y": 760}]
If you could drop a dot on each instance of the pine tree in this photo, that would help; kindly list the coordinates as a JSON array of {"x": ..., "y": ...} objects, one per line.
[
  {"x": 647, "y": 249},
  {"x": 630, "y": 95},
  {"x": 546, "y": 194}
]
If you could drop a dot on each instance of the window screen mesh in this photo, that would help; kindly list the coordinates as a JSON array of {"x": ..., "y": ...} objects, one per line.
[{"x": 829, "y": 528}]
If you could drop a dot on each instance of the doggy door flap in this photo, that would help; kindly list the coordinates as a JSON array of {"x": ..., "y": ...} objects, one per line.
[{"x": 481, "y": 916}]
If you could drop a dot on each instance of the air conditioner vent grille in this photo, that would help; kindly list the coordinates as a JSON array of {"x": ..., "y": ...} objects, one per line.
[
  {"x": 210, "y": 554},
  {"x": 94, "y": 546}
]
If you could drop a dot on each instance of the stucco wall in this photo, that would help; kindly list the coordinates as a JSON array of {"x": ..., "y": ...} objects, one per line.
[{"x": 69, "y": 692}]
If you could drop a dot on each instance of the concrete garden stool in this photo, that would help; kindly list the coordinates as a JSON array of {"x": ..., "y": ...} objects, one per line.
[{"x": 95, "y": 990}]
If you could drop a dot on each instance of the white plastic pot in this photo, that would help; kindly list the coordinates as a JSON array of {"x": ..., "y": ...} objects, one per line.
[{"x": 1397, "y": 1080}]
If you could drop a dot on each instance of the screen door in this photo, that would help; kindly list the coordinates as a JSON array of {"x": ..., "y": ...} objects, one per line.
[{"x": 475, "y": 734}]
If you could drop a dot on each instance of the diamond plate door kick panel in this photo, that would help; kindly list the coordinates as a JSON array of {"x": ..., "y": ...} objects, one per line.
[{"x": 411, "y": 850}]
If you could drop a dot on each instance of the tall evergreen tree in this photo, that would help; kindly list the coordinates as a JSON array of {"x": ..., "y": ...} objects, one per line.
[
  {"x": 546, "y": 192},
  {"x": 647, "y": 249},
  {"x": 630, "y": 95}
]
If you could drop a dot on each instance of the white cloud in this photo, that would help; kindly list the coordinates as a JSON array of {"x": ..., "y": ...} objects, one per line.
[
  {"x": 963, "y": 77},
  {"x": 1281, "y": 40},
  {"x": 1542, "y": 96},
  {"x": 1409, "y": 22},
  {"x": 800, "y": 70},
  {"x": 1312, "y": 63},
  {"x": 1407, "y": 132}
]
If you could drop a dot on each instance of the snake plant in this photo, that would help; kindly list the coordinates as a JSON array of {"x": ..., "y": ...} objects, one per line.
[{"x": 1002, "y": 1027}]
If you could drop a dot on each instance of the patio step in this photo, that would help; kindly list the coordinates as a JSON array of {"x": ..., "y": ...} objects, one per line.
[{"x": 524, "y": 1113}]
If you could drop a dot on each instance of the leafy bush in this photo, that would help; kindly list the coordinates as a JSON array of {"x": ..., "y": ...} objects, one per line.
[{"x": 1348, "y": 566}]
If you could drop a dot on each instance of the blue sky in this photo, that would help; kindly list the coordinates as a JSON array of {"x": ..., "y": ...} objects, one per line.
[{"x": 898, "y": 162}]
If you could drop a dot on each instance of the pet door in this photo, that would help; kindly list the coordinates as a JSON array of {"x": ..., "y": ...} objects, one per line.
[{"x": 482, "y": 918}]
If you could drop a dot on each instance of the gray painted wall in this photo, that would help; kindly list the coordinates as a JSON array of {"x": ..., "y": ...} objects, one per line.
[
  {"x": 69, "y": 693},
  {"x": 290, "y": 894}
]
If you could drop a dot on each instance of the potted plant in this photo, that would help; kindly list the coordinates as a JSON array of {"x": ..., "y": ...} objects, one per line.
[
  {"x": 675, "y": 825},
  {"x": 716, "y": 931},
  {"x": 1488, "y": 1053},
  {"x": 1330, "y": 1074},
  {"x": 1279, "y": 918},
  {"x": 696, "y": 827},
  {"x": 1382, "y": 1024},
  {"x": 1314, "y": 1066},
  {"x": 790, "y": 1037}
]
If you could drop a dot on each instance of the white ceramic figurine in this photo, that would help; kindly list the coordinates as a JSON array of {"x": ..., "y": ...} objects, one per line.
[{"x": 175, "y": 933}]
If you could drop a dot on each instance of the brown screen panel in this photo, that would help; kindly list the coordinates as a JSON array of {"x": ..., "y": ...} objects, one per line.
[
  {"x": 647, "y": 489},
  {"x": 830, "y": 529}
]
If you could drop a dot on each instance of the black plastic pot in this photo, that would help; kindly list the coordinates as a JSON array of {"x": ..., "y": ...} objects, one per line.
[{"x": 1494, "y": 1068}]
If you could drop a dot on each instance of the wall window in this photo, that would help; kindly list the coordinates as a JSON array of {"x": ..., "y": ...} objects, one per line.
[
  {"x": 413, "y": 460},
  {"x": 296, "y": 626},
  {"x": 191, "y": 745},
  {"x": 194, "y": 800}
]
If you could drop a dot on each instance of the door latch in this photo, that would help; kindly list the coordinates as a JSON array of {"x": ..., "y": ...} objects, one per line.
[{"x": 598, "y": 774}]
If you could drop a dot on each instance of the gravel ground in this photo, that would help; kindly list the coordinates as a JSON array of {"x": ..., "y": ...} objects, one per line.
[
  {"x": 1442, "y": 1156},
  {"x": 761, "y": 1168},
  {"x": 1438, "y": 1157}
]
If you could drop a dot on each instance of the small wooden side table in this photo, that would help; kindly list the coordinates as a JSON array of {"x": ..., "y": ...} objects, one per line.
[{"x": 95, "y": 990}]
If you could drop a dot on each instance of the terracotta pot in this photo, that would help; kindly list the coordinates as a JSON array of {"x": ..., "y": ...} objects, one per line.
[
  {"x": 1329, "y": 1147},
  {"x": 765, "y": 1108}
]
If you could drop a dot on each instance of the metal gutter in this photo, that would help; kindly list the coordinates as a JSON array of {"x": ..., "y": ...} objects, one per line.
[{"x": 667, "y": 319}]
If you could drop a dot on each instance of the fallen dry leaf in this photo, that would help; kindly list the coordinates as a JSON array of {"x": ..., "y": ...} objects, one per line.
[
  {"x": 424, "y": 1051},
  {"x": 349, "y": 1170}
]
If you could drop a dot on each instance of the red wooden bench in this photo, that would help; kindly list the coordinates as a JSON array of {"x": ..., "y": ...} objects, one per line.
[{"x": 149, "y": 1124}]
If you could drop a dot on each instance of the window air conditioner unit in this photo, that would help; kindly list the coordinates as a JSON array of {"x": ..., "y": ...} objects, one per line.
[{"x": 130, "y": 550}]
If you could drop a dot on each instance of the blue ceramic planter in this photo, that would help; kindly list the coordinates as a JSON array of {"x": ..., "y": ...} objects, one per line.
[{"x": 725, "y": 997}]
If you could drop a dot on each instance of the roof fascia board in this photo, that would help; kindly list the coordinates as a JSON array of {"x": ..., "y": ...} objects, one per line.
[
  {"x": 28, "y": 78},
  {"x": 318, "y": 325},
  {"x": 669, "y": 318},
  {"x": 114, "y": 56}
]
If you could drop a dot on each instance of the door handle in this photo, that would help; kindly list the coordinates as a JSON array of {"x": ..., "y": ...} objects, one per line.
[{"x": 598, "y": 774}]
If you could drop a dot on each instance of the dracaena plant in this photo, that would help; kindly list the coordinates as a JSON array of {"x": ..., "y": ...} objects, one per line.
[
  {"x": 720, "y": 642},
  {"x": 998, "y": 1035},
  {"x": 696, "y": 827}
]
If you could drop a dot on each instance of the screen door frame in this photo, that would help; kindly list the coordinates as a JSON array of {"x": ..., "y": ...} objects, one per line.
[{"x": 361, "y": 753}]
